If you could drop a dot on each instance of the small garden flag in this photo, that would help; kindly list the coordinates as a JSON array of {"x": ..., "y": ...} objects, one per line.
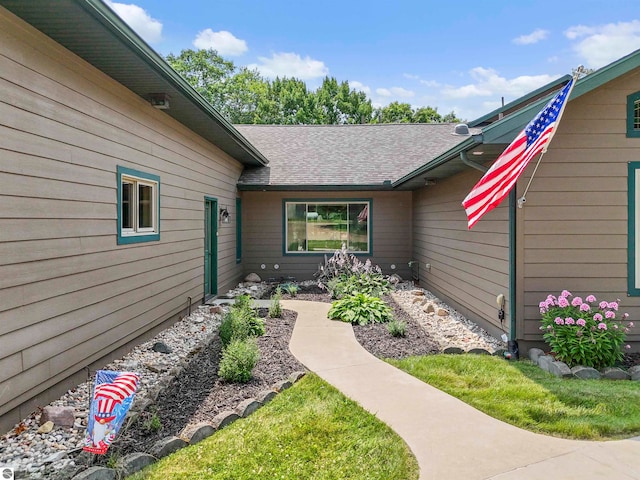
[
  {"x": 503, "y": 174},
  {"x": 113, "y": 394}
]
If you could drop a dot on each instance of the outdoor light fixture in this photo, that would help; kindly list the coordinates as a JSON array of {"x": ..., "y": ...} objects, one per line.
[
  {"x": 225, "y": 217},
  {"x": 159, "y": 100}
]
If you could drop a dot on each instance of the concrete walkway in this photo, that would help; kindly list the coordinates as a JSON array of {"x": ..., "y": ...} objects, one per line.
[{"x": 450, "y": 439}]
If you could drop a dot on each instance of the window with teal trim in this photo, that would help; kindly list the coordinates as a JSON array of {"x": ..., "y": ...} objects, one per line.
[
  {"x": 138, "y": 206},
  {"x": 633, "y": 115},
  {"x": 238, "y": 230},
  {"x": 322, "y": 226},
  {"x": 633, "y": 266}
]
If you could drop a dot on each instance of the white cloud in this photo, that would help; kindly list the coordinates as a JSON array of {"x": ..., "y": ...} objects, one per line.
[
  {"x": 602, "y": 44},
  {"x": 290, "y": 65},
  {"x": 534, "y": 37},
  {"x": 383, "y": 92},
  {"x": 431, "y": 83},
  {"x": 398, "y": 92},
  {"x": 355, "y": 85},
  {"x": 225, "y": 43},
  {"x": 487, "y": 82},
  {"x": 139, "y": 20},
  {"x": 410, "y": 76}
]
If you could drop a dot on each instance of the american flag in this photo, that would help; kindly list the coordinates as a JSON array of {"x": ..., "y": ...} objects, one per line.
[{"x": 505, "y": 171}]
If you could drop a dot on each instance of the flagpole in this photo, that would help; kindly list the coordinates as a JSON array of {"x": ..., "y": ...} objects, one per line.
[{"x": 523, "y": 198}]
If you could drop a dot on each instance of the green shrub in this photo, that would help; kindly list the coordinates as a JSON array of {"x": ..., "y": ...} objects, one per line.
[
  {"x": 397, "y": 328},
  {"x": 241, "y": 322},
  {"x": 275, "y": 309},
  {"x": 584, "y": 332},
  {"x": 360, "y": 309},
  {"x": 291, "y": 289},
  {"x": 373, "y": 284},
  {"x": 238, "y": 360}
]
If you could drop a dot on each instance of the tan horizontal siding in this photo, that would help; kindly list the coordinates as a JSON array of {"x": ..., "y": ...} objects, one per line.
[
  {"x": 468, "y": 268},
  {"x": 263, "y": 233},
  {"x": 573, "y": 228},
  {"x": 69, "y": 295}
]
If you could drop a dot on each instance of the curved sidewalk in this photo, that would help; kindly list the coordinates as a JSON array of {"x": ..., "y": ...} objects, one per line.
[{"x": 450, "y": 439}]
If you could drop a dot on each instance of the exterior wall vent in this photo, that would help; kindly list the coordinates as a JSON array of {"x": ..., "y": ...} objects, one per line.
[{"x": 461, "y": 129}]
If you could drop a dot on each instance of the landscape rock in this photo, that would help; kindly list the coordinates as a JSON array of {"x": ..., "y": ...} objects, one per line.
[
  {"x": 96, "y": 473},
  {"x": 134, "y": 462},
  {"x": 417, "y": 293},
  {"x": 395, "y": 279},
  {"x": 560, "y": 369},
  {"x": 615, "y": 373},
  {"x": 60, "y": 416},
  {"x": 442, "y": 312},
  {"x": 166, "y": 446},
  {"x": 223, "y": 419},
  {"x": 199, "y": 432},
  {"x": 429, "y": 308},
  {"x": 417, "y": 300},
  {"x": 545, "y": 362},
  {"x": 535, "y": 354},
  {"x": 266, "y": 396},
  {"x": 585, "y": 373},
  {"x": 247, "y": 407},
  {"x": 634, "y": 372},
  {"x": 46, "y": 427},
  {"x": 253, "y": 278},
  {"x": 452, "y": 350},
  {"x": 161, "y": 347},
  {"x": 216, "y": 310}
]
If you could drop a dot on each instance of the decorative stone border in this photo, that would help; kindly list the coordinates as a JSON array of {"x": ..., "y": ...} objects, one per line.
[
  {"x": 133, "y": 462},
  {"x": 560, "y": 369}
]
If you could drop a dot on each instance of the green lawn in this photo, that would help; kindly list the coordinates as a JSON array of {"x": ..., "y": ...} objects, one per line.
[
  {"x": 522, "y": 394},
  {"x": 310, "y": 431}
]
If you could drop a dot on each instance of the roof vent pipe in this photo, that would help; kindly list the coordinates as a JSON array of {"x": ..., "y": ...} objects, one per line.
[
  {"x": 470, "y": 163},
  {"x": 461, "y": 129}
]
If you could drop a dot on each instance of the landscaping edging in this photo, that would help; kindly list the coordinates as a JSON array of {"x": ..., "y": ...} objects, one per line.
[
  {"x": 560, "y": 369},
  {"x": 192, "y": 434}
]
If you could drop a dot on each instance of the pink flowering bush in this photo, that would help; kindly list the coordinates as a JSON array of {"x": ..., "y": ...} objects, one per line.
[{"x": 584, "y": 332}]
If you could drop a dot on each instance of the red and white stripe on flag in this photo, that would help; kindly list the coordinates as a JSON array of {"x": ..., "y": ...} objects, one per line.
[{"x": 496, "y": 184}]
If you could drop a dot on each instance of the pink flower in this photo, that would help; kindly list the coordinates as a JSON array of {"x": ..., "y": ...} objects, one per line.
[
  {"x": 563, "y": 302},
  {"x": 559, "y": 321},
  {"x": 603, "y": 305},
  {"x": 602, "y": 326},
  {"x": 577, "y": 301},
  {"x": 585, "y": 307},
  {"x": 578, "y": 333},
  {"x": 565, "y": 293},
  {"x": 542, "y": 304},
  {"x": 581, "y": 322},
  {"x": 630, "y": 324},
  {"x": 549, "y": 327},
  {"x": 627, "y": 347},
  {"x": 597, "y": 317},
  {"x": 610, "y": 314},
  {"x": 615, "y": 327},
  {"x": 625, "y": 316},
  {"x": 613, "y": 305},
  {"x": 591, "y": 299},
  {"x": 569, "y": 321},
  {"x": 543, "y": 310}
]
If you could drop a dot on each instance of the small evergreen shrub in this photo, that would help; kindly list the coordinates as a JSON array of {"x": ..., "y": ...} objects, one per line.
[
  {"x": 238, "y": 360},
  {"x": 397, "y": 328},
  {"x": 360, "y": 309},
  {"x": 275, "y": 309},
  {"x": 241, "y": 322}
]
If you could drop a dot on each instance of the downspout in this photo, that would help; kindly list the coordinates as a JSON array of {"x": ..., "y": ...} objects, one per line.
[
  {"x": 513, "y": 202},
  {"x": 470, "y": 163}
]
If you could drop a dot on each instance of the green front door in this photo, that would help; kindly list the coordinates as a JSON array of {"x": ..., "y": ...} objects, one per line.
[{"x": 210, "y": 247}]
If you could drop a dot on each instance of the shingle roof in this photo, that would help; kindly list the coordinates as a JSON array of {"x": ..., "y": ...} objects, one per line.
[{"x": 342, "y": 155}]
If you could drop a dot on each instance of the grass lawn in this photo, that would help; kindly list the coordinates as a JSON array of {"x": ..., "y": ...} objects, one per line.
[
  {"x": 524, "y": 395},
  {"x": 310, "y": 431}
]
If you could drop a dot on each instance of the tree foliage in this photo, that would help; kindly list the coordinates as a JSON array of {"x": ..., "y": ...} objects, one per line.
[{"x": 242, "y": 95}]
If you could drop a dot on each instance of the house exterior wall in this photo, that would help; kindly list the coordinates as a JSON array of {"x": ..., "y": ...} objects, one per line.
[
  {"x": 262, "y": 233},
  {"x": 469, "y": 269},
  {"x": 69, "y": 295},
  {"x": 572, "y": 232}
]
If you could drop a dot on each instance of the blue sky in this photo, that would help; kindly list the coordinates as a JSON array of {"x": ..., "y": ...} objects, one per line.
[{"x": 451, "y": 54}]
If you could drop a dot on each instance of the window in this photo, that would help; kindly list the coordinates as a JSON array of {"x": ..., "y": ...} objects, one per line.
[
  {"x": 138, "y": 206},
  {"x": 322, "y": 226},
  {"x": 633, "y": 237},
  {"x": 633, "y": 115}
]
